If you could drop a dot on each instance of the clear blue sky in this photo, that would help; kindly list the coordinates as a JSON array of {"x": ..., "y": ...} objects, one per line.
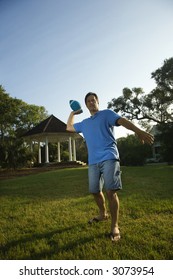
[{"x": 52, "y": 51}]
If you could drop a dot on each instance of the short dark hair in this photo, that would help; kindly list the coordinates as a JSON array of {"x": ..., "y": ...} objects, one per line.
[{"x": 90, "y": 93}]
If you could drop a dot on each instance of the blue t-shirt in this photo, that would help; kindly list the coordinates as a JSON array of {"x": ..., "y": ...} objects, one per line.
[{"x": 98, "y": 133}]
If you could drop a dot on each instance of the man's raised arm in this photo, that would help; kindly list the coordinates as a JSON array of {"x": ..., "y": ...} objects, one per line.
[{"x": 70, "y": 121}]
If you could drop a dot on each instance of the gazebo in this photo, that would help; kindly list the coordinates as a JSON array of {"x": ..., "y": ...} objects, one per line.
[{"x": 52, "y": 130}]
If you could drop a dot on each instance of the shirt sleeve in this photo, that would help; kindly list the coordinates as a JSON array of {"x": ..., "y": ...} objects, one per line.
[
  {"x": 78, "y": 127},
  {"x": 113, "y": 118}
]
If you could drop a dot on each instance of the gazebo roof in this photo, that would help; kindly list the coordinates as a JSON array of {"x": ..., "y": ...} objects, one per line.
[{"x": 53, "y": 128}]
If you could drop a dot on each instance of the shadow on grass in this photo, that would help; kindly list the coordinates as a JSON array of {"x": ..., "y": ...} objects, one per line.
[{"x": 55, "y": 247}]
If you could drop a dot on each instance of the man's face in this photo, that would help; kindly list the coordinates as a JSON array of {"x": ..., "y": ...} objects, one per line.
[{"x": 92, "y": 104}]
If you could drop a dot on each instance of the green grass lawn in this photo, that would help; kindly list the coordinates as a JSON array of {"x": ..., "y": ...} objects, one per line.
[{"x": 45, "y": 216}]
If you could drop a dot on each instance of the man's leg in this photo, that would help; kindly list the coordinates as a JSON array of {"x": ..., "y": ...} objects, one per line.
[
  {"x": 114, "y": 210},
  {"x": 100, "y": 201},
  {"x": 95, "y": 188},
  {"x": 112, "y": 179}
]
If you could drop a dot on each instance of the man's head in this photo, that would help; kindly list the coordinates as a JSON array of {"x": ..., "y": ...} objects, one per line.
[{"x": 92, "y": 102}]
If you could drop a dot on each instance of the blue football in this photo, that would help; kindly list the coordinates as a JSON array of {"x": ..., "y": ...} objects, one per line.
[{"x": 75, "y": 105}]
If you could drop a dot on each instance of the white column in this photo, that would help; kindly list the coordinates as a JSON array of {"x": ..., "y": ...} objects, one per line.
[
  {"x": 74, "y": 150},
  {"x": 70, "y": 149},
  {"x": 39, "y": 152},
  {"x": 46, "y": 151},
  {"x": 59, "y": 152}
]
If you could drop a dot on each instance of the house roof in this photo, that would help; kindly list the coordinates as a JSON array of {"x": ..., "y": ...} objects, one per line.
[
  {"x": 49, "y": 125},
  {"x": 51, "y": 128}
]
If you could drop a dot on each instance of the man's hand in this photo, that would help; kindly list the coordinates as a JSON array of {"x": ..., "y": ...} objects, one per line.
[
  {"x": 145, "y": 137},
  {"x": 77, "y": 112}
]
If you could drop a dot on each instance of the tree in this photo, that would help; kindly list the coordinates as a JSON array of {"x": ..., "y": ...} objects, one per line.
[
  {"x": 13, "y": 153},
  {"x": 7, "y": 113},
  {"x": 164, "y": 77},
  {"x": 16, "y": 117},
  {"x": 132, "y": 152},
  {"x": 28, "y": 117},
  {"x": 165, "y": 137},
  {"x": 153, "y": 107}
]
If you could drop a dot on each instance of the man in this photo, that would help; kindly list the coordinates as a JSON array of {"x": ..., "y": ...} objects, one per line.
[{"x": 103, "y": 156}]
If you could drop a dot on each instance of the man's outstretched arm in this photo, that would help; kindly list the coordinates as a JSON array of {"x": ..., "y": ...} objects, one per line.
[{"x": 144, "y": 137}]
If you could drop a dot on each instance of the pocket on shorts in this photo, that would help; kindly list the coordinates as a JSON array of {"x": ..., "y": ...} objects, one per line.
[{"x": 118, "y": 179}]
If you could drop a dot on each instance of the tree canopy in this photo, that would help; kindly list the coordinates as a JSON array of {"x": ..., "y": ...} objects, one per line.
[
  {"x": 16, "y": 117},
  {"x": 152, "y": 107}
]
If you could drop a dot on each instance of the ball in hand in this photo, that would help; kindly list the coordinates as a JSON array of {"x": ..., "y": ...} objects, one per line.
[{"x": 75, "y": 105}]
